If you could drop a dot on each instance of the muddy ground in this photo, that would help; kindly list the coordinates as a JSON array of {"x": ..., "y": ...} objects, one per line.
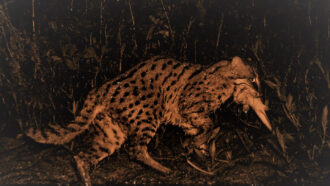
[{"x": 23, "y": 161}]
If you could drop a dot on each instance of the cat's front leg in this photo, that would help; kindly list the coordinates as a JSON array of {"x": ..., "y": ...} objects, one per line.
[{"x": 203, "y": 132}]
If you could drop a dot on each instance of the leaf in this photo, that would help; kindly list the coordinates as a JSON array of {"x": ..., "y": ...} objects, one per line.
[
  {"x": 281, "y": 140},
  {"x": 229, "y": 155},
  {"x": 288, "y": 103},
  {"x": 70, "y": 64},
  {"x": 324, "y": 121},
  {"x": 213, "y": 134},
  {"x": 200, "y": 169},
  {"x": 56, "y": 58},
  {"x": 212, "y": 150},
  {"x": 271, "y": 84},
  {"x": 153, "y": 19},
  {"x": 74, "y": 107}
]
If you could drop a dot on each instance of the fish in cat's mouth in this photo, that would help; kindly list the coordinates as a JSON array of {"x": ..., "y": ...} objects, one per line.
[{"x": 245, "y": 94}]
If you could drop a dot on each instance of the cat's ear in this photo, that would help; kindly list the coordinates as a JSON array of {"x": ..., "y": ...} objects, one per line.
[{"x": 236, "y": 62}]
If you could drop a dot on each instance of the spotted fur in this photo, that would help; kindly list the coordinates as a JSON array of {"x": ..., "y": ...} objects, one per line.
[{"x": 154, "y": 92}]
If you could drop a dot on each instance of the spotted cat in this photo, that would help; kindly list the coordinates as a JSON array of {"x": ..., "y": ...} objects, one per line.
[{"x": 154, "y": 92}]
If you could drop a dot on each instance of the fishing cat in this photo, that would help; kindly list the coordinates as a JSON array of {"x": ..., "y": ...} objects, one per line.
[{"x": 157, "y": 91}]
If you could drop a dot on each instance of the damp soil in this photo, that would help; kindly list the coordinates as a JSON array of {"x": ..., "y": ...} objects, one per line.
[{"x": 23, "y": 161}]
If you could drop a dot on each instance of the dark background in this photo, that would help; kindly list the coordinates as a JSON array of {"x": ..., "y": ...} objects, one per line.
[{"x": 53, "y": 52}]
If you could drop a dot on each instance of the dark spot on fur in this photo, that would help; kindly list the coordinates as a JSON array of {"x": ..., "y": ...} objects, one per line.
[
  {"x": 126, "y": 85},
  {"x": 143, "y": 74},
  {"x": 164, "y": 66},
  {"x": 124, "y": 118},
  {"x": 182, "y": 72},
  {"x": 150, "y": 95},
  {"x": 173, "y": 82},
  {"x": 153, "y": 66},
  {"x": 195, "y": 73},
  {"x": 104, "y": 149},
  {"x": 185, "y": 87},
  {"x": 142, "y": 65},
  {"x": 165, "y": 79},
  {"x": 126, "y": 94},
  {"x": 135, "y": 91},
  {"x": 108, "y": 87},
  {"x": 176, "y": 65},
  {"x": 115, "y": 94},
  {"x": 145, "y": 121},
  {"x": 155, "y": 113}
]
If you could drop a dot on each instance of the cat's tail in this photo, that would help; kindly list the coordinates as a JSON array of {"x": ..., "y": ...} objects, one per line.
[{"x": 55, "y": 134}]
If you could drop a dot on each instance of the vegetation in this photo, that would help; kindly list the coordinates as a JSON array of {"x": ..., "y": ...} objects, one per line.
[{"x": 52, "y": 54}]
